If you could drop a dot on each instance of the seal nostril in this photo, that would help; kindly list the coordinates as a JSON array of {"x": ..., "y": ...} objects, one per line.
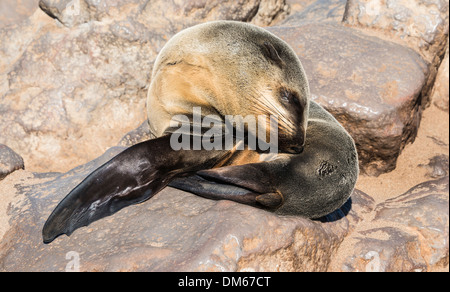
[{"x": 296, "y": 149}]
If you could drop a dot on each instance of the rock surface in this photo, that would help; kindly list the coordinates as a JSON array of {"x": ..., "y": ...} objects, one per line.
[
  {"x": 437, "y": 166},
  {"x": 423, "y": 23},
  {"x": 14, "y": 12},
  {"x": 318, "y": 11},
  {"x": 75, "y": 12},
  {"x": 407, "y": 233},
  {"x": 373, "y": 87},
  {"x": 440, "y": 95},
  {"x": 174, "y": 231},
  {"x": 10, "y": 161}
]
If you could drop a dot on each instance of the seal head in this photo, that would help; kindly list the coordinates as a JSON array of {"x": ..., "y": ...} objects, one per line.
[{"x": 230, "y": 68}]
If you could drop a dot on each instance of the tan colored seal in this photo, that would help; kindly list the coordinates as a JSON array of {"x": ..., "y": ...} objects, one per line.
[{"x": 225, "y": 68}]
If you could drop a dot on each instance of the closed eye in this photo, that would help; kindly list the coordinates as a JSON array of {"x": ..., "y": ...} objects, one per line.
[{"x": 289, "y": 97}]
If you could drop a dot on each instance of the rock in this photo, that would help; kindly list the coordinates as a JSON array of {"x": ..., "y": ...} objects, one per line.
[
  {"x": 373, "y": 87},
  {"x": 10, "y": 161},
  {"x": 14, "y": 12},
  {"x": 440, "y": 92},
  {"x": 411, "y": 234},
  {"x": 317, "y": 11},
  {"x": 90, "y": 90},
  {"x": 75, "y": 12},
  {"x": 423, "y": 209},
  {"x": 67, "y": 94},
  {"x": 141, "y": 134},
  {"x": 422, "y": 23},
  {"x": 399, "y": 248},
  {"x": 298, "y": 5},
  {"x": 173, "y": 231},
  {"x": 437, "y": 167},
  {"x": 68, "y": 12}
]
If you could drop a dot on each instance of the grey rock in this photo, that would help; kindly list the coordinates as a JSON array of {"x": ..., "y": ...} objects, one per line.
[
  {"x": 440, "y": 94},
  {"x": 10, "y": 161},
  {"x": 412, "y": 233},
  {"x": 423, "y": 209},
  {"x": 423, "y": 23},
  {"x": 373, "y": 87},
  {"x": 68, "y": 12},
  {"x": 141, "y": 134},
  {"x": 68, "y": 95},
  {"x": 397, "y": 250},
  {"x": 75, "y": 12},
  {"x": 437, "y": 166},
  {"x": 14, "y": 12},
  {"x": 318, "y": 11}
]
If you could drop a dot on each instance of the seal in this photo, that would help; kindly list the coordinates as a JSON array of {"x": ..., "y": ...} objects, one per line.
[{"x": 225, "y": 68}]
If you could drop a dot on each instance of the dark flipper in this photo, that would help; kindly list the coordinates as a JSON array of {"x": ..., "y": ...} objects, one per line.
[
  {"x": 133, "y": 176},
  {"x": 245, "y": 184}
]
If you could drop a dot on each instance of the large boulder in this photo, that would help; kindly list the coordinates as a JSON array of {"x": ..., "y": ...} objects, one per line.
[
  {"x": 163, "y": 12},
  {"x": 317, "y": 11},
  {"x": 13, "y": 12},
  {"x": 421, "y": 25},
  {"x": 10, "y": 161},
  {"x": 440, "y": 94},
  {"x": 407, "y": 233}
]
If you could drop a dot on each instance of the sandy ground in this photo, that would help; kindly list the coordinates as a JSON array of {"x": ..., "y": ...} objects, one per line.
[{"x": 432, "y": 140}]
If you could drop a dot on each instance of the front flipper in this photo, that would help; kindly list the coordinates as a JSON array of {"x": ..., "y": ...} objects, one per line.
[
  {"x": 245, "y": 184},
  {"x": 133, "y": 176}
]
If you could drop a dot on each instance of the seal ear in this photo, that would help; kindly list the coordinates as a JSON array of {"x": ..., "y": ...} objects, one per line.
[
  {"x": 246, "y": 184},
  {"x": 133, "y": 176}
]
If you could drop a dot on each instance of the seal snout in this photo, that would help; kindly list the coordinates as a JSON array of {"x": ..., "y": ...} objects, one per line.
[
  {"x": 293, "y": 149},
  {"x": 296, "y": 149},
  {"x": 293, "y": 145}
]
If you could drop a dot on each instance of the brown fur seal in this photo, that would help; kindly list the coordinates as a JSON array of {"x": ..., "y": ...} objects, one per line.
[{"x": 225, "y": 68}]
